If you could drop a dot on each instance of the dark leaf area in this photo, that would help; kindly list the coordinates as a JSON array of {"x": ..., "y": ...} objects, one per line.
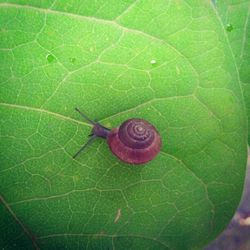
[{"x": 237, "y": 234}]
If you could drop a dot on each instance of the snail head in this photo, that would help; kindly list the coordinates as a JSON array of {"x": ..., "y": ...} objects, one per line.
[{"x": 97, "y": 131}]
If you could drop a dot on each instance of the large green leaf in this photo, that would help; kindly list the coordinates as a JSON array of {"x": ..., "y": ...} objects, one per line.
[
  {"x": 98, "y": 56},
  {"x": 235, "y": 16}
]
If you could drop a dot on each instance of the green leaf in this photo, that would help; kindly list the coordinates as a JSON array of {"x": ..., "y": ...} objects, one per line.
[
  {"x": 236, "y": 14},
  {"x": 168, "y": 62}
]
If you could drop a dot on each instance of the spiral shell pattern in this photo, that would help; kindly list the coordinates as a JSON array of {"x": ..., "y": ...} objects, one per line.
[
  {"x": 136, "y": 133},
  {"x": 136, "y": 141}
]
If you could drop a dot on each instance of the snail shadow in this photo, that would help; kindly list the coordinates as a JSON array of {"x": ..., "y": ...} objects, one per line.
[
  {"x": 135, "y": 167},
  {"x": 122, "y": 171}
]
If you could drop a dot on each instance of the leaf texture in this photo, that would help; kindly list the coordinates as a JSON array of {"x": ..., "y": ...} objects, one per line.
[
  {"x": 97, "y": 55},
  {"x": 236, "y": 14}
]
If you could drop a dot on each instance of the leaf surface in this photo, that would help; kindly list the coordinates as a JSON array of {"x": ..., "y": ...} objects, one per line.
[
  {"x": 168, "y": 62},
  {"x": 235, "y": 16}
]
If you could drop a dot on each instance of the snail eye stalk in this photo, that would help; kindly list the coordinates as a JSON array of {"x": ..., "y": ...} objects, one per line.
[
  {"x": 85, "y": 117},
  {"x": 91, "y": 139},
  {"x": 92, "y": 136}
]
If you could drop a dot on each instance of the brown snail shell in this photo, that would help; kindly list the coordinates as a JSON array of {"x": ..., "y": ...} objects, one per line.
[{"x": 136, "y": 141}]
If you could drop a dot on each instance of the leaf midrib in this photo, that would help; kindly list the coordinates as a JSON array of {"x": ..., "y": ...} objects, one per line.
[{"x": 62, "y": 117}]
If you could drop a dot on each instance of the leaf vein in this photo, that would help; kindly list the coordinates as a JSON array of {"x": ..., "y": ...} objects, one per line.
[{"x": 24, "y": 228}]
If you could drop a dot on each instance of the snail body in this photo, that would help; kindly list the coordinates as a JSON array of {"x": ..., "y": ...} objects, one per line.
[{"x": 135, "y": 141}]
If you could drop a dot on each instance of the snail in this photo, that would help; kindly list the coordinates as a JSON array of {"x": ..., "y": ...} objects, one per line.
[{"x": 135, "y": 141}]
